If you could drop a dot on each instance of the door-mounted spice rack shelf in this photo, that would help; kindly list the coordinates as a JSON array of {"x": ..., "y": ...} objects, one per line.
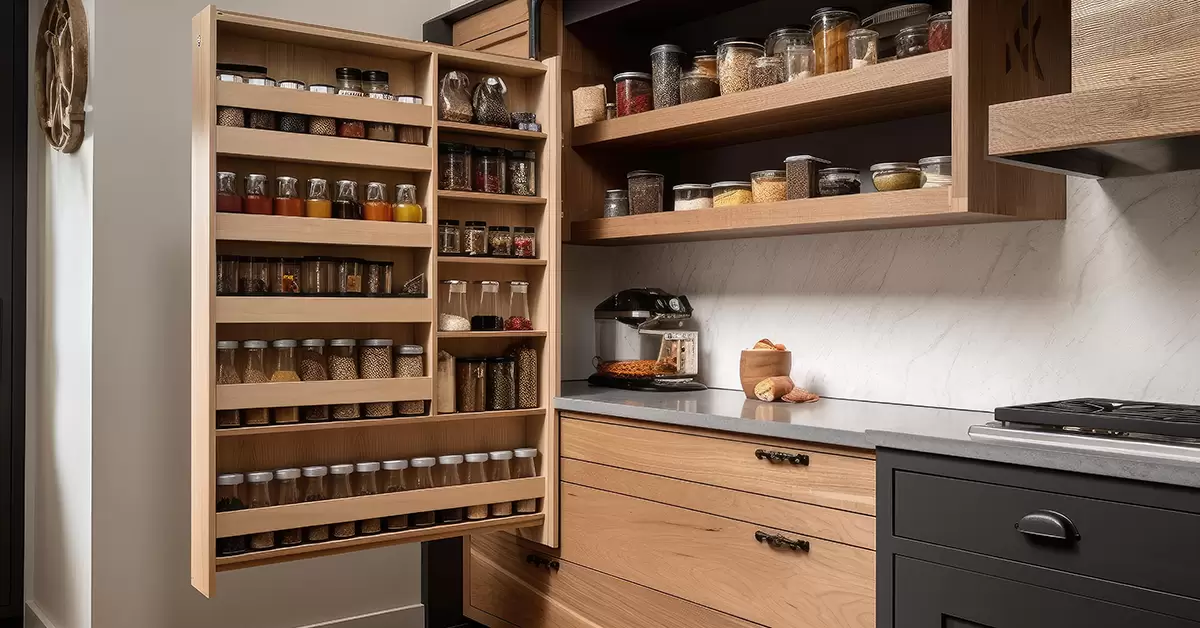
[
  {"x": 281, "y": 394},
  {"x": 303, "y": 230},
  {"x": 482, "y": 130},
  {"x": 321, "y": 149},
  {"x": 491, "y": 334},
  {"x": 376, "y": 423},
  {"x": 303, "y": 309},
  {"x": 491, "y": 261},
  {"x": 483, "y": 197},
  {"x": 258, "y": 97}
]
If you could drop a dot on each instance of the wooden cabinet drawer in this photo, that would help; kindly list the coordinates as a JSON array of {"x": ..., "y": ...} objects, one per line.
[
  {"x": 506, "y": 584},
  {"x": 828, "y": 480},
  {"x": 1148, "y": 547},
  {"x": 717, "y": 562}
]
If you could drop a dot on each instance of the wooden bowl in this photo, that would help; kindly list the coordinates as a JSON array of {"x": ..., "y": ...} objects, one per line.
[{"x": 759, "y": 365}]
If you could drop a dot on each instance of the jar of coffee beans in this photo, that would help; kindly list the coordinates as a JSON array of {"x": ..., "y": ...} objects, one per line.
[
  {"x": 645, "y": 192},
  {"x": 666, "y": 62},
  {"x": 313, "y": 368},
  {"x": 697, "y": 85},
  {"x": 410, "y": 362},
  {"x": 375, "y": 362}
]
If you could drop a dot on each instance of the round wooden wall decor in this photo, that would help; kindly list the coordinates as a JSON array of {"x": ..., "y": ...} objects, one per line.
[{"x": 61, "y": 73}]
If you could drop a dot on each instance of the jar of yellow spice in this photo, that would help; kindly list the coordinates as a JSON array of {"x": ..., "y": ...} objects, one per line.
[
  {"x": 768, "y": 186},
  {"x": 727, "y": 193}
]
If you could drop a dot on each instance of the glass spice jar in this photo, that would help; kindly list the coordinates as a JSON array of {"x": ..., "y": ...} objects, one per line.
[
  {"x": 285, "y": 275},
  {"x": 779, "y": 40},
  {"x": 376, "y": 207},
  {"x": 393, "y": 482},
  {"x": 727, "y": 193},
  {"x": 449, "y": 237},
  {"x": 229, "y": 499},
  {"x": 343, "y": 366},
  {"x": 315, "y": 491},
  {"x": 257, "y": 200},
  {"x": 258, "y": 495},
  {"x": 231, "y": 116},
  {"x": 365, "y": 484},
  {"x": 313, "y": 368},
  {"x": 525, "y": 466},
  {"x": 322, "y": 125},
  {"x": 864, "y": 47},
  {"x": 634, "y": 93},
  {"x": 340, "y": 488},
  {"x": 410, "y": 362},
  {"x": 227, "y": 197},
  {"x": 802, "y": 175},
  {"x": 351, "y": 128},
  {"x": 317, "y": 203},
  {"x": 486, "y": 314},
  {"x": 227, "y": 274},
  {"x": 526, "y": 359},
  {"x": 476, "y": 474},
  {"x": 768, "y": 186},
  {"x": 284, "y": 370},
  {"x": 345, "y": 203},
  {"x": 470, "y": 376},
  {"x": 937, "y": 171},
  {"x": 449, "y": 475},
  {"x": 377, "y": 279},
  {"x": 831, "y": 31},
  {"x": 912, "y": 41},
  {"x": 474, "y": 237},
  {"x": 798, "y": 62},
  {"x": 501, "y": 384},
  {"x": 645, "y": 192},
  {"x": 616, "y": 203},
  {"x": 838, "y": 181},
  {"x": 287, "y": 199},
  {"x": 735, "y": 57},
  {"x": 406, "y": 208},
  {"x": 525, "y": 242},
  {"x": 349, "y": 78},
  {"x": 610, "y": 111},
  {"x": 696, "y": 85},
  {"x": 518, "y": 307},
  {"x": 454, "y": 166},
  {"x": 287, "y": 483},
  {"x": 522, "y": 173},
  {"x": 381, "y": 131},
  {"x": 489, "y": 166},
  {"x": 766, "y": 71},
  {"x": 892, "y": 176},
  {"x": 317, "y": 272},
  {"x": 375, "y": 362},
  {"x": 453, "y": 306},
  {"x": 254, "y": 276},
  {"x": 501, "y": 470},
  {"x": 264, "y": 120},
  {"x": 666, "y": 64},
  {"x": 500, "y": 241},
  {"x": 422, "y": 479},
  {"x": 227, "y": 373},
  {"x": 349, "y": 276},
  {"x": 941, "y": 31},
  {"x": 293, "y": 122},
  {"x": 689, "y": 196},
  {"x": 408, "y": 134}
]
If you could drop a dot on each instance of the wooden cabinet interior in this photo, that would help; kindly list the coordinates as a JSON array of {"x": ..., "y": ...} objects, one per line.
[{"x": 311, "y": 54}]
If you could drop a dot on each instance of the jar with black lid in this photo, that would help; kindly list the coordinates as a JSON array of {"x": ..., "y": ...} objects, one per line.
[
  {"x": 490, "y": 165},
  {"x": 475, "y": 241},
  {"x": 522, "y": 173},
  {"x": 375, "y": 82},
  {"x": 351, "y": 128},
  {"x": 293, "y": 122},
  {"x": 500, "y": 241},
  {"x": 449, "y": 237},
  {"x": 322, "y": 125},
  {"x": 262, "y": 119},
  {"x": 349, "y": 79},
  {"x": 454, "y": 166}
]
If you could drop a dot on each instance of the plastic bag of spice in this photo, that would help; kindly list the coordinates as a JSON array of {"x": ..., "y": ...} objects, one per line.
[
  {"x": 454, "y": 97},
  {"x": 491, "y": 103}
]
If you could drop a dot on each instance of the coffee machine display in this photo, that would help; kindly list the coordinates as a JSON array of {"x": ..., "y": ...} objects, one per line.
[{"x": 642, "y": 342}]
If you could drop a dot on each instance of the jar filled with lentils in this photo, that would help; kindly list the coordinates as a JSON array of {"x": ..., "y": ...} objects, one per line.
[
  {"x": 501, "y": 384},
  {"x": 645, "y": 192},
  {"x": 231, "y": 116},
  {"x": 313, "y": 368},
  {"x": 265, "y": 120},
  {"x": 501, "y": 463},
  {"x": 293, "y": 122},
  {"x": 522, "y": 173},
  {"x": 526, "y": 360},
  {"x": 735, "y": 57},
  {"x": 474, "y": 238},
  {"x": 490, "y": 165},
  {"x": 409, "y": 362},
  {"x": 666, "y": 62},
  {"x": 343, "y": 365},
  {"x": 454, "y": 166},
  {"x": 322, "y": 125},
  {"x": 227, "y": 374},
  {"x": 375, "y": 362}
]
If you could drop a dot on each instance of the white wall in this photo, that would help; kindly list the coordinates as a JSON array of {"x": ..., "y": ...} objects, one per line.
[{"x": 1103, "y": 304}]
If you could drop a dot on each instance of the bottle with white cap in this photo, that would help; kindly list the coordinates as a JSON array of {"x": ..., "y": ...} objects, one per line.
[
  {"x": 526, "y": 467},
  {"x": 449, "y": 476},
  {"x": 393, "y": 482},
  {"x": 501, "y": 462},
  {"x": 258, "y": 495},
  {"x": 476, "y": 473},
  {"x": 287, "y": 482},
  {"x": 229, "y": 498},
  {"x": 339, "y": 488},
  {"x": 364, "y": 484},
  {"x": 315, "y": 491}
]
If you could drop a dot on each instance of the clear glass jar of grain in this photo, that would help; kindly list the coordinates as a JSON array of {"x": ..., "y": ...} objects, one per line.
[
  {"x": 501, "y": 383},
  {"x": 735, "y": 57},
  {"x": 501, "y": 462},
  {"x": 526, "y": 467},
  {"x": 409, "y": 362},
  {"x": 315, "y": 491},
  {"x": 422, "y": 479},
  {"x": 285, "y": 371},
  {"x": 645, "y": 192},
  {"x": 697, "y": 85},
  {"x": 287, "y": 484},
  {"x": 779, "y": 39},
  {"x": 729, "y": 193},
  {"x": 616, "y": 203},
  {"x": 375, "y": 362},
  {"x": 313, "y": 368},
  {"x": 339, "y": 488},
  {"x": 666, "y": 64},
  {"x": 343, "y": 365},
  {"x": 476, "y": 473},
  {"x": 365, "y": 484},
  {"x": 258, "y": 495},
  {"x": 471, "y": 379},
  {"x": 864, "y": 47},
  {"x": 227, "y": 374},
  {"x": 449, "y": 475},
  {"x": 255, "y": 372},
  {"x": 768, "y": 186},
  {"x": 766, "y": 71},
  {"x": 394, "y": 482}
]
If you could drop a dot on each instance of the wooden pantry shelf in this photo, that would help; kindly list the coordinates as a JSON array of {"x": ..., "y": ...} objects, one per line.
[
  {"x": 286, "y": 394},
  {"x": 492, "y": 261},
  {"x": 491, "y": 334},
  {"x": 413, "y": 535},
  {"x": 480, "y": 197},
  {"x": 374, "y": 423},
  {"x": 317, "y": 104},
  {"x": 323, "y": 310},
  {"x": 489, "y": 131},
  {"x": 890, "y": 90},
  {"x": 321, "y": 149},
  {"x": 261, "y": 228},
  {"x": 857, "y": 212}
]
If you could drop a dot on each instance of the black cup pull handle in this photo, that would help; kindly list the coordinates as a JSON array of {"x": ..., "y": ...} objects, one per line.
[
  {"x": 778, "y": 541},
  {"x": 781, "y": 456},
  {"x": 540, "y": 561},
  {"x": 1047, "y": 524}
]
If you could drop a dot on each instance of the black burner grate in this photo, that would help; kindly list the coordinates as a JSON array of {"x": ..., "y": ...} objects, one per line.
[{"x": 1162, "y": 419}]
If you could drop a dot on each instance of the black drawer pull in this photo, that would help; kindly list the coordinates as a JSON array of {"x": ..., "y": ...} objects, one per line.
[
  {"x": 1047, "y": 524},
  {"x": 778, "y": 541},
  {"x": 781, "y": 456},
  {"x": 540, "y": 561}
]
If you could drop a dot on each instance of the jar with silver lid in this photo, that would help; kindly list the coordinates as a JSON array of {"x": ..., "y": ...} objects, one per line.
[
  {"x": 896, "y": 175},
  {"x": 393, "y": 482},
  {"x": 231, "y": 116},
  {"x": 635, "y": 93},
  {"x": 258, "y": 495},
  {"x": 407, "y": 134},
  {"x": 912, "y": 41},
  {"x": 340, "y": 488},
  {"x": 616, "y": 203},
  {"x": 366, "y": 484},
  {"x": 423, "y": 479},
  {"x": 230, "y": 498},
  {"x": 381, "y": 131},
  {"x": 525, "y": 466},
  {"x": 666, "y": 64},
  {"x": 375, "y": 362},
  {"x": 690, "y": 196},
  {"x": 838, "y": 181},
  {"x": 262, "y": 119},
  {"x": 315, "y": 490},
  {"x": 293, "y": 122},
  {"x": 936, "y": 171},
  {"x": 449, "y": 476},
  {"x": 322, "y": 125},
  {"x": 409, "y": 362},
  {"x": 645, "y": 192},
  {"x": 347, "y": 127}
]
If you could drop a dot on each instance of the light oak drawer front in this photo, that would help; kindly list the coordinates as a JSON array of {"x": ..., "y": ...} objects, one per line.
[
  {"x": 507, "y": 584},
  {"x": 823, "y": 479},
  {"x": 718, "y": 562}
]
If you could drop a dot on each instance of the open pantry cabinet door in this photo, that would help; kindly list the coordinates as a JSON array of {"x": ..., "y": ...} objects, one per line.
[{"x": 359, "y": 406}]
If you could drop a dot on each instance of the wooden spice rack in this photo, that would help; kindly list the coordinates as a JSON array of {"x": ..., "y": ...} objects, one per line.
[{"x": 310, "y": 53}]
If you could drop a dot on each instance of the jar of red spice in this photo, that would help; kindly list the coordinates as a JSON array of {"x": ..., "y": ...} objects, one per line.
[
  {"x": 634, "y": 93},
  {"x": 351, "y": 128},
  {"x": 524, "y": 242},
  {"x": 287, "y": 199},
  {"x": 490, "y": 165},
  {"x": 940, "y": 31},
  {"x": 257, "y": 200},
  {"x": 227, "y": 196}
]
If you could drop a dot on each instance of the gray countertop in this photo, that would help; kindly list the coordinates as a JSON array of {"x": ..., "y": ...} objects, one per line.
[{"x": 869, "y": 425}]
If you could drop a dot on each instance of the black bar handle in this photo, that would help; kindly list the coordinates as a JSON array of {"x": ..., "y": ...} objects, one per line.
[
  {"x": 1047, "y": 524},
  {"x": 778, "y": 541},
  {"x": 535, "y": 28},
  {"x": 781, "y": 456},
  {"x": 540, "y": 561}
]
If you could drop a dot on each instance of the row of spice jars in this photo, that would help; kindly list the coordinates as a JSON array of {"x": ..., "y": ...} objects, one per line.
[
  {"x": 487, "y": 169},
  {"x": 477, "y": 239},
  {"x": 284, "y": 487},
  {"x": 351, "y": 82},
  {"x": 481, "y": 384},
  {"x": 483, "y": 311},
  {"x": 317, "y": 204},
  {"x": 248, "y": 362},
  {"x": 239, "y": 275}
]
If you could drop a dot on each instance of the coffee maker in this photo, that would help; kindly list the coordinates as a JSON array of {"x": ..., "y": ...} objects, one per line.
[{"x": 643, "y": 343}]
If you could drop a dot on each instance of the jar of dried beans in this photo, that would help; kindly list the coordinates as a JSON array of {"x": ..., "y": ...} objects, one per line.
[
  {"x": 666, "y": 62},
  {"x": 501, "y": 384},
  {"x": 634, "y": 93},
  {"x": 912, "y": 41},
  {"x": 489, "y": 166},
  {"x": 313, "y": 368},
  {"x": 768, "y": 186},
  {"x": 375, "y": 362},
  {"x": 501, "y": 470},
  {"x": 525, "y": 242},
  {"x": 645, "y": 192},
  {"x": 343, "y": 365},
  {"x": 229, "y": 499},
  {"x": 452, "y": 305},
  {"x": 696, "y": 85},
  {"x": 766, "y": 71},
  {"x": 340, "y": 488},
  {"x": 231, "y": 116},
  {"x": 831, "y": 33},
  {"x": 527, "y": 377},
  {"x": 393, "y": 482},
  {"x": 522, "y": 173},
  {"x": 258, "y": 495},
  {"x": 322, "y": 125},
  {"x": 227, "y": 374},
  {"x": 255, "y": 372},
  {"x": 449, "y": 475},
  {"x": 476, "y": 474},
  {"x": 798, "y": 62},
  {"x": 293, "y": 122},
  {"x": 735, "y": 57},
  {"x": 802, "y": 175},
  {"x": 454, "y": 97},
  {"x": 471, "y": 379},
  {"x": 525, "y": 467},
  {"x": 409, "y": 362},
  {"x": 474, "y": 237},
  {"x": 285, "y": 371},
  {"x": 423, "y": 479},
  {"x": 518, "y": 307},
  {"x": 287, "y": 483},
  {"x": 454, "y": 166},
  {"x": 365, "y": 484},
  {"x": 500, "y": 241},
  {"x": 315, "y": 491},
  {"x": 940, "y": 31},
  {"x": 265, "y": 120}
]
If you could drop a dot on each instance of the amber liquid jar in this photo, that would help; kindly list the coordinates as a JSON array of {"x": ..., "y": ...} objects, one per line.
[
  {"x": 377, "y": 206},
  {"x": 287, "y": 201},
  {"x": 317, "y": 205}
]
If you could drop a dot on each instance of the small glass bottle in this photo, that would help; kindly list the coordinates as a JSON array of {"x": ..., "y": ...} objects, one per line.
[
  {"x": 616, "y": 203},
  {"x": 525, "y": 242},
  {"x": 526, "y": 467},
  {"x": 285, "y": 371},
  {"x": 449, "y": 476},
  {"x": 257, "y": 200},
  {"x": 500, "y": 241},
  {"x": 393, "y": 482},
  {"x": 287, "y": 482},
  {"x": 349, "y": 78},
  {"x": 406, "y": 208},
  {"x": 486, "y": 315},
  {"x": 377, "y": 206},
  {"x": 454, "y": 166},
  {"x": 317, "y": 205},
  {"x": 227, "y": 197},
  {"x": 315, "y": 491},
  {"x": 449, "y": 238},
  {"x": 258, "y": 495},
  {"x": 285, "y": 276},
  {"x": 476, "y": 474},
  {"x": 254, "y": 372},
  {"x": 490, "y": 166},
  {"x": 501, "y": 383},
  {"x": 364, "y": 485},
  {"x": 422, "y": 479},
  {"x": 475, "y": 238},
  {"x": 453, "y": 306},
  {"x": 343, "y": 365},
  {"x": 518, "y": 307},
  {"x": 501, "y": 462},
  {"x": 287, "y": 200},
  {"x": 864, "y": 47},
  {"x": 345, "y": 203},
  {"x": 229, "y": 499},
  {"x": 339, "y": 488}
]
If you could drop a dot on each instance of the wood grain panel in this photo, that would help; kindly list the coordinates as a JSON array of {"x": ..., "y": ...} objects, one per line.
[
  {"x": 318, "y": 104},
  {"x": 322, "y": 310},
  {"x": 717, "y": 562},
  {"x": 359, "y": 423},
  {"x": 504, "y": 36},
  {"x": 322, "y": 149},
  {"x": 482, "y": 197},
  {"x": 830, "y": 481},
  {"x": 261, "y": 228},
  {"x": 489, "y": 21},
  {"x": 1130, "y": 44},
  {"x": 505, "y": 585},
  {"x": 281, "y": 394},
  {"x": 482, "y": 130}
]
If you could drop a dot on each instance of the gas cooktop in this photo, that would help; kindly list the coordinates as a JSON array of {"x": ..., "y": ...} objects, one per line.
[{"x": 1108, "y": 416}]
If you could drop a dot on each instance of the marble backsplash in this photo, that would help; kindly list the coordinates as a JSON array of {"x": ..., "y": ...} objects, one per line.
[{"x": 1106, "y": 303}]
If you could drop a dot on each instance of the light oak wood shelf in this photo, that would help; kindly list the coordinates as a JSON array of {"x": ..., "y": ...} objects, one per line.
[
  {"x": 488, "y": 131},
  {"x": 491, "y": 334},
  {"x": 480, "y": 197},
  {"x": 413, "y": 535},
  {"x": 320, "y": 149},
  {"x": 262, "y": 228},
  {"x": 323, "y": 310},
  {"x": 887, "y": 91},
  {"x": 374, "y": 423},
  {"x": 317, "y": 104},
  {"x": 492, "y": 261},
  {"x": 287, "y": 394}
]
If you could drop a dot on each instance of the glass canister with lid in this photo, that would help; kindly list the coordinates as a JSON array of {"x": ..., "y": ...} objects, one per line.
[
  {"x": 452, "y": 304},
  {"x": 735, "y": 58},
  {"x": 231, "y": 116},
  {"x": 525, "y": 466},
  {"x": 449, "y": 475},
  {"x": 645, "y": 192},
  {"x": 375, "y": 362},
  {"x": 705, "y": 62},
  {"x": 471, "y": 379},
  {"x": 689, "y": 196},
  {"x": 318, "y": 272},
  {"x": 525, "y": 242},
  {"x": 727, "y": 193},
  {"x": 490, "y": 165},
  {"x": 449, "y": 237},
  {"x": 317, "y": 203},
  {"x": 377, "y": 278},
  {"x": 349, "y": 78},
  {"x": 486, "y": 315},
  {"x": 766, "y": 71},
  {"x": 518, "y": 307},
  {"x": 838, "y": 181},
  {"x": 423, "y": 479},
  {"x": 476, "y": 474},
  {"x": 393, "y": 482},
  {"x": 285, "y": 371},
  {"x": 780, "y": 38},
  {"x": 257, "y": 199},
  {"x": 313, "y": 368},
  {"x": 941, "y": 33},
  {"x": 381, "y": 131},
  {"x": 258, "y": 495},
  {"x": 831, "y": 32},
  {"x": 798, "y": 62},
  {"x": 454, "y": 166},
  {"x": 896, "y": 175},
  {"x": 635, "y": 93},
  {"x": 475, "y": 238},
  {"x": 345, "y": 203},
  {"x": 864, "y": 47},
  {"x": 287, "y": 482},
  {"x": 339, "y": 488},
  {"x": 349, "y": 127},
  {"x": 500, "y": 241},
  {"x": 366, "y": 484},
  {"x": 230, "y": 498},
  {"x": 501, "y": 470},
  {"x": 768, "y": 186},
  {"x": 315, "y": 491},
  {"x": 265, "y": 120},
  {"x": 522, "y": 173},
  {"x": 912, "y": 41},
  {"x": 410, "y": 362},
  {"x": 406, "y": 133},
  {"x": 376, "y": 206},
  {"x": 616, "y": 203},
  {"x": 343, "y": 366},
  {"x": 697, "y": 85},
  {"x": 802, "y": 178},
  {"x": 937, "y": 171},
  {"x": 287, "y": 198},
  {"x": 227, "y": 195},
  {"x": 666, "y": 65}
]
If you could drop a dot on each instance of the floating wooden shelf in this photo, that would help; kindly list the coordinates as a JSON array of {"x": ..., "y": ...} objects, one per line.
[
  {"x": 317, "y": 104},
  {"x": 480, "y": 197},
  {"x": 287, "y": 394},
  {"x": 322, "y": 149},
  {"x": 374, "y": 423},
  {"x": 889, "y": 90},
  {"x": 323, "y": 310},
  {"x": 261, "y": 228},
  {"x": 489, "y": 131},
  {"x": 492, "y": 261},
  {"x": 491, "y": 334}
]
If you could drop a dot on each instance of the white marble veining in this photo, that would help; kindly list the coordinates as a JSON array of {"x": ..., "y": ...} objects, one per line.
[{"x": 1103, "y": 304}]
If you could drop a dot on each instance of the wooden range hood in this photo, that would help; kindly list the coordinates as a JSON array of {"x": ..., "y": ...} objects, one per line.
[{"x": 1135, "y": 88}]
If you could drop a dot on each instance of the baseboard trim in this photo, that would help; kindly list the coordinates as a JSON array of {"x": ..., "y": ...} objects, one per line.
[
  {"x": 34, "y": 617},
  {"x": 412, "y": 616}
]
